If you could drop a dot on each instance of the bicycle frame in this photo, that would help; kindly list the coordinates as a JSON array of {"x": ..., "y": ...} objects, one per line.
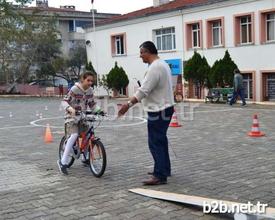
[{"x": 86, "y": 138}]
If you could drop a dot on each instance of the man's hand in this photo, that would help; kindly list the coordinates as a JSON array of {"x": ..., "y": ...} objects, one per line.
[
  {"x": 123, "y": 110},
  {"x": 71, "y": 111}
]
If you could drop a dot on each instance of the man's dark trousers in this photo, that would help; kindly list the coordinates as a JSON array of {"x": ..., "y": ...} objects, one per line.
[
  {"x": 158, "y": 123},
  {"x": 239, "y": 92}
]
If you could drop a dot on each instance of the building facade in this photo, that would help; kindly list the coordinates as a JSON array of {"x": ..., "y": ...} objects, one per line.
[
  {"x": 70, "y": 22},
  {"x": 246, "y": 28}
]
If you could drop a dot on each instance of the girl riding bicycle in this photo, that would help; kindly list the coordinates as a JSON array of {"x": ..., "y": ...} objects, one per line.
[{"x": 79, "y": 99}]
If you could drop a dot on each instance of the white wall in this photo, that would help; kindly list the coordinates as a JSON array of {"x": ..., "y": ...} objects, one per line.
[
  {"x": 254, "y": 57},
  {"x": 135, "y": 35},
  {"x": 248, "y": 58}
]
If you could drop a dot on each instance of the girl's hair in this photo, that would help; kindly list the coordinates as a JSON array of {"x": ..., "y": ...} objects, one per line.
[{"x": 85, "y": 75}]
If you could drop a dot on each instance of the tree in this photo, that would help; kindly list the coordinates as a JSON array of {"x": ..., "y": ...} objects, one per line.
[
  {"x": 197, "y": 70},
  {"x": 104, "y": 84},
  {"x": 222, "y": 72},
  {"x": 10, "y": 20},
  {"x": 78, "y": 58},
  {"x": 204, "y": 70},
  {"x": 228, "y": 69},
  {"x": 45, "y": 71},
  {"x": 60, "y": 65},
  {"x": 27, "y": 41},
  {"x": 38, "y": 45},
  {"x": 89, "y": 67},
  {"x": 216, "y": 78},
  {"x": 117, "y": 79}
]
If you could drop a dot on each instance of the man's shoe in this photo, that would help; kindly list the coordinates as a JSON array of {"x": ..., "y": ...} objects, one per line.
[
  {"x": 243, "y": 104},
  {"x": 154, "y": 181},
  {"x": 62, "y": 168}
]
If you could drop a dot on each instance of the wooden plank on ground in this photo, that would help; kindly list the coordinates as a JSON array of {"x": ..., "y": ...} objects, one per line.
[{"x": 196, "y": 200}]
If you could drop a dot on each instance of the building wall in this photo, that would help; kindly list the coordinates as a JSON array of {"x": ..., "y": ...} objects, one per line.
[
  {"x": 70, "y": 39},
  {"x": 136, "y": 34},
  {"x": 251, "y": 58},
  {"x": 63, "y": 27},
  {"x": 255, "y": 57}
]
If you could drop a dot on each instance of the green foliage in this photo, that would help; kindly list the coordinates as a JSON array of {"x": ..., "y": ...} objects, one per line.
[
  {"x": 220, "y": 74},
  {"x": 222, "y": 71},
  {"x": 26, "y": 40},
  {"x": 46, "y": 70},
  {"x": 89, "y": 67},
  {"x": 229, "y": 66},
  {"x": 216, "y": 79},
  {"x": 117, "y": 78},
  {"x": 60, "y": 65},
  {"x": 78, "y": 58},
  {"x": 197, "y": 69}
]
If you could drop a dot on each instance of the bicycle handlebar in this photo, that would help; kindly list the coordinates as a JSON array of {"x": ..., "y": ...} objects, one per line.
[{"x": 84, "y": 114}]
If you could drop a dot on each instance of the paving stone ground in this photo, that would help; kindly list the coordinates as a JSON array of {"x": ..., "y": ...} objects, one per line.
[{"x": 211, "y": 155}]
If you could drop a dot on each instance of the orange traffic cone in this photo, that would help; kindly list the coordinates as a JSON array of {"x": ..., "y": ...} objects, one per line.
[
  {"x": 174, "y": 122},
  {"x": 255, "y": 130},
  {"x": 48, "y": 135}
]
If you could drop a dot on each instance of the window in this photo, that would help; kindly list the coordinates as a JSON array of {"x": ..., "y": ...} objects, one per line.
[
  {"x": 195, "y": 35},
  {"x": 165, "y": 39},
  {"x": 216, "y": 33},
  {"x": 267, "y": 26},
  {"x": 72, "y": 26},
  {"x": 268, "y": 83},
  {"x": 118, "y": 45},
  {"x": 82, "y": 24},
  {"x": 244, "y": 26},
  {"x": 270, "y": 27},
  {"x": 248, "y": 85},
  {"x": 246, "y": 30}
]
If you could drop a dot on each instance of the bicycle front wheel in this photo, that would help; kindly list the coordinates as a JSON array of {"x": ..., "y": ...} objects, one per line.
[
  {"x": 61, "y": 151},
  {"x": 97, "y": 158}
]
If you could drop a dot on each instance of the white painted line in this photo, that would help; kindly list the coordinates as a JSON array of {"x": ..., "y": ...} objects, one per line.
[
  {"x": 221, "y": 110},
  {"x": 241, "y": 109},
  {"x": 14, "y": 127},
  {"x": 57, "y": 132},
  {"x": 142, "y": 121},
  {"x": 234, "y": 108},
  {"x": 34, "y": 123},
  {"x": 1, "y": 117}
]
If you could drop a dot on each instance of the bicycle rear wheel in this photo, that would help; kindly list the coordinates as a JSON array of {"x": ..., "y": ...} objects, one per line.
[
  {"x": 97, "y": 158},
  {"x": 61, "y": 151}
]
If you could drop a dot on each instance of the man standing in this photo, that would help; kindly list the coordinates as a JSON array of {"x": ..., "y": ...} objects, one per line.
[
  {"x": 156, "y": 94},
  {"x": 238, "y": 88}
]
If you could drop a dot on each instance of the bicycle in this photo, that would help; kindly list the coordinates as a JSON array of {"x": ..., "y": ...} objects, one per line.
[{"x": 88, "y": 145}]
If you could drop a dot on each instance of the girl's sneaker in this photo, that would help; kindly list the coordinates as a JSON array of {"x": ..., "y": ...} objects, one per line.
[{"x": 62, "y": 168}]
